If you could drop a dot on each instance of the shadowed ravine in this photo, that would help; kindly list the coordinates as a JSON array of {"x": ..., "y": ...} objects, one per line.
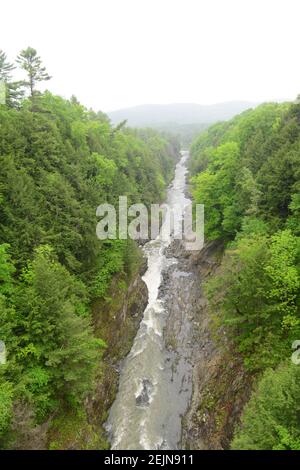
[{"x": 155, "y": 382}]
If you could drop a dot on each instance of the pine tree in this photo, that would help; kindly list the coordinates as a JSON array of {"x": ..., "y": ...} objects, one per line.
[
  {"x": 13, "y": 89},
  {"x": 5, "y": 67},
  {"x": 32, "y": 64}
]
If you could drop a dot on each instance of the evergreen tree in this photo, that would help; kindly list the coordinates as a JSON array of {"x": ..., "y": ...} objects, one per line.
[
  {"x": 252, "y": 204},
  {"x": 271, "y": 418},
  {"x": 13, "y": 89},
  {"x": 32, "y": 64},
  {"x": 6, "y": 67},
  {"x": 57, "y": 166}
]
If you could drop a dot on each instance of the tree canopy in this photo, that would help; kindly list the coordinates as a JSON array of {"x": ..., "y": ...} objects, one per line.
[
  {"x": 246, "y": 173},
  {"x": 58, "y": 162}
]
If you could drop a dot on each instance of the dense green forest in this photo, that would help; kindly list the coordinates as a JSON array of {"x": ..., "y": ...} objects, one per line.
[
  {"x": 247, "y": 173},
  {"x": 58, "y": 162}
]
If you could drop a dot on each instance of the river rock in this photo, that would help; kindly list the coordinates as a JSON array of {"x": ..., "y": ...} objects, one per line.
[{"x": 143, "y": 398}]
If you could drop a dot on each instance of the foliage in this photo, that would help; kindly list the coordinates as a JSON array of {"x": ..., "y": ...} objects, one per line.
[
  {"x": 6, "y": 404},
  {"x": 271, "y": 418},
  {"x": 13, "y": 89},
  {"x": 246, "y": 172},
  {"x": 248, "y": 166},
  {"x": 256, "y": 295},
  {"x": 29, "y": 60},
  {"x": 59, "y": 161}
]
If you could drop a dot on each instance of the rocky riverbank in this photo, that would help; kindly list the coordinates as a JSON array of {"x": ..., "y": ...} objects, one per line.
[
  {"x": 220, "y": 385},
  {"x": 116, "y": 321}
]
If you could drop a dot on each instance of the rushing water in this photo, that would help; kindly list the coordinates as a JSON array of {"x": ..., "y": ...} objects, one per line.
[{"x": 152, "y": 395}]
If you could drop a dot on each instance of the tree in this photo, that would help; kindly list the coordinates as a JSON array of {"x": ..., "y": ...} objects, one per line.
[
  {"x": 271, "y": 418},
  {"x": 57, "y": 166},
  {"x": 13, "y": 89},
  {"x": 7, "y": 313},
  {"x": 5, "y": 67},
  {"x": 59, "y": 351},
  {"x": 252, "y": 203},
  {"x": 214, "y": 188},
  {"x": 32, "y": 64},
  {"x": 6, "y": 393},
  {"x": 6, "y": 270},
  {"x": 256, "y": 293}
]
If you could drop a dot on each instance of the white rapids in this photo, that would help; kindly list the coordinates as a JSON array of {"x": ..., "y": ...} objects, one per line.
[{"x": 151, "y": 399}]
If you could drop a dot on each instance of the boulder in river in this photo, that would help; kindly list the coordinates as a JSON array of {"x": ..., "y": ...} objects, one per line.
[{"x": 143, "y": 399}]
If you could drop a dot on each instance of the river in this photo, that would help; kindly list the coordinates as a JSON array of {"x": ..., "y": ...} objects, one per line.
[{"x": 155, "y": 383}]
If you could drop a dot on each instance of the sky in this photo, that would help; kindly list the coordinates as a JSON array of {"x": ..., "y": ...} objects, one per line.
[{"x": 116, "y": 53}]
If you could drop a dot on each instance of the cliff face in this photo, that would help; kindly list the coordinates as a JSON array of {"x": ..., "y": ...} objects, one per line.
[
  {"x": 220, "y": 385},
  {"x": 116, "y": 321}
]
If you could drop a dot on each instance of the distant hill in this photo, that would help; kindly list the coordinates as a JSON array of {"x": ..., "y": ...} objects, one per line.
[{"x": 160, "y": 115}]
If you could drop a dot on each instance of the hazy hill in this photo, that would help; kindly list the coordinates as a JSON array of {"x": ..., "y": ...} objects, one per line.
[{"x": 178, "y": 113}]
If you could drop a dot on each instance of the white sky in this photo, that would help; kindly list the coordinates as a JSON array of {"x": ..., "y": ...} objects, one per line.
[{"x": 117, "y": 53}]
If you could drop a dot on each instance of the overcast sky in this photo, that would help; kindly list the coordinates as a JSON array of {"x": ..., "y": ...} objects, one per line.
[{"x": 117, "y": 53}]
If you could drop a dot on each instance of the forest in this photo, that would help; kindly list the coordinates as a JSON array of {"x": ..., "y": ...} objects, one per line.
[
  {"x": 246, "y": 172},
  {"x": 58, "y": 162}
]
